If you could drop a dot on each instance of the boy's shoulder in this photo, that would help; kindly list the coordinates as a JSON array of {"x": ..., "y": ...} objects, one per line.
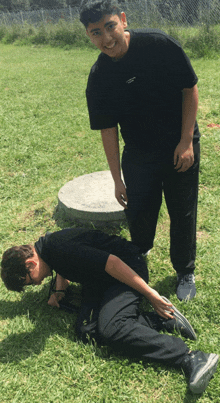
[
  {"x": 149, "y": 36},
  {"x": 147, "y": 32},
  {"x": 100, "y": 69}
]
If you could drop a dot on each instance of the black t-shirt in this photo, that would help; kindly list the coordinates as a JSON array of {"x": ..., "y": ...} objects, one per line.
[
  {"x": 80, "y": 256},
  {"x": 142, "y": 92}
]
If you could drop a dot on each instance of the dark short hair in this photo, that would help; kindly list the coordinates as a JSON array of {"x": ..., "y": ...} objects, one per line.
[
  {"x": 13, "y": 268},
  {"x": 93, "y": 10}
]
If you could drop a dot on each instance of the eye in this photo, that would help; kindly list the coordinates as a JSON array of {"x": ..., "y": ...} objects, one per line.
[
  {"x": 111, "y": 26},
  {"x": 96, "y": 33}
]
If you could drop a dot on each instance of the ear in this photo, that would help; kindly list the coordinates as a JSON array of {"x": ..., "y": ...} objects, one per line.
[
  {"x": 124, "y": 20},
  {"x": 30, "y": 263}
]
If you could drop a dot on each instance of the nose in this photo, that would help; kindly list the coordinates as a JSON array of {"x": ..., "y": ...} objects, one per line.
[{"x": 107, "y": 38}]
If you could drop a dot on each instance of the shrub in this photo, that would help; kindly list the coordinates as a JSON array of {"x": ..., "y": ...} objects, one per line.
[
  {"x": 40, "y": 37},
  {"x": 2, "y": 31},
  {"x": 68, "y": 34},
  {"x": 11, "y": 34},
  {"x": 205, "y": 44},
  {"x": 200, "y": 41}
]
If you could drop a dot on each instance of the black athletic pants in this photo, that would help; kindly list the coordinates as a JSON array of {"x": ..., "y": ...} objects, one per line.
[
  {"x": 117, "y": 322},
  {"x": 146, "y": 177}
]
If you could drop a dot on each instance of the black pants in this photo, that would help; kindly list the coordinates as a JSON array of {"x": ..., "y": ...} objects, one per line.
[
  {"x": 146, "y": 177},
  {"x": 117, "y": 322}
]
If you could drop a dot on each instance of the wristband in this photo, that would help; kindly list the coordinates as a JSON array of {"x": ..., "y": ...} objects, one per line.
[{"x": 59, "y": 291}]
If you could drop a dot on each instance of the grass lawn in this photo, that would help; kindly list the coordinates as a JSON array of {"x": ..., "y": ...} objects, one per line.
[{"x": 45, "y": 142}]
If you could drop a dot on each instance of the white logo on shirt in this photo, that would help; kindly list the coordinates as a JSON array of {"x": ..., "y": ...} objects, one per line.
[{"x": 130, "y": 80}]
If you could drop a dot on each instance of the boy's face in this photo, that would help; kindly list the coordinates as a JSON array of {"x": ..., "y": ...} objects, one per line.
[
  {"x": 38, "y": 270},
  {"x": 109, "y": 36}
]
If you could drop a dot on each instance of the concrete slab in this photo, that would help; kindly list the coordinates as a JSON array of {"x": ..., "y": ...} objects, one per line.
[{"x": 90, "y": 198}]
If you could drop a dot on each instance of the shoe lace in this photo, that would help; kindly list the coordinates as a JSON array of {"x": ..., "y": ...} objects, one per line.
[
  {"x": 186, "y": 278},
  {"x": 189, "y": 278}
]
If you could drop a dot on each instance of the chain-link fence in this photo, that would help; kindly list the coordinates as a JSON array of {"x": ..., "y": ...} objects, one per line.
[
  {"x": 179, "y": 12},
  {"x": 41, "y": 16},
  {"x": 139, "y": 12}
]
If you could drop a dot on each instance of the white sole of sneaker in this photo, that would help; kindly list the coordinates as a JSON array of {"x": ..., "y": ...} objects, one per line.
[
  {"x": 182, "y": 319},
  {"x": 146, "y": 253},
  {"x": 204, "y": 375}
]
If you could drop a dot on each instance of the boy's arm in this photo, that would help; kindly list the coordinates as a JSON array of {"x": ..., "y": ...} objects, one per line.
[
  {"x": 61, "y": 285},
  {"x": 122, "y": 272},
  {"x": 111, "y": 147},
  {"x": 184, "y": 155}
]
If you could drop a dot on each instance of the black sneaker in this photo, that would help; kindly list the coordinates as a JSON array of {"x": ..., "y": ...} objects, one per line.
[
  {"x": 179, "y": 324},
  {"x": 186, "y": 288},
  {"x": 199, "y": 367}
]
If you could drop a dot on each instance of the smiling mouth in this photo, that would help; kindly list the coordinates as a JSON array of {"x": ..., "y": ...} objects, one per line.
[{"x": 111, "y": 47}]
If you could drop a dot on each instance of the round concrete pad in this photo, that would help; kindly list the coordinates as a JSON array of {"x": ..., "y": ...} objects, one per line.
[{"x": 91, "y": 198}]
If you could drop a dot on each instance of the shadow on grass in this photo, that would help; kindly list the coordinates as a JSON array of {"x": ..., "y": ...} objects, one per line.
[
  {"x": 45, "y": 321},
  {"x": 166, "y": 286}
]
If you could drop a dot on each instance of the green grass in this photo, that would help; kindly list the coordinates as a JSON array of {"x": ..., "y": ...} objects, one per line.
[{"x": 45, "y": 142}]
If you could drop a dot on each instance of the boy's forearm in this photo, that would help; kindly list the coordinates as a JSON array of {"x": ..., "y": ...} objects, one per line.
[
  {"x": 184, "y": 153},
  {"x": 111, "y": 147},
  {"x": 61, "y": 283},
  {"x": 116, "y": 268},
  {"x": 189, "y": 111},
  {"x": 60, "y": 287},
  {"x": 122, "y": 272}
]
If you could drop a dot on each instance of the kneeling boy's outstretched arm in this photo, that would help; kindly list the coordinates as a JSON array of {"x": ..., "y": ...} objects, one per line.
[{"x": 122, "y": 272}]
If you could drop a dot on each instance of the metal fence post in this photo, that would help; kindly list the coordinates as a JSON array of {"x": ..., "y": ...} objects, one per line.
[
  {"x": 209, "y": 16},
  {"x": 42, "y": 13},
  {"x": 22, "y": 20},
  {"x": 4, "y": 19},
  {"x": 71, "y": 17}
]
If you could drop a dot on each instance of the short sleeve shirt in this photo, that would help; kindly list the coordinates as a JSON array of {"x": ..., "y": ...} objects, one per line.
[
  {"x": 80, "y": 256},
  {"x": 142, "y": 92}
]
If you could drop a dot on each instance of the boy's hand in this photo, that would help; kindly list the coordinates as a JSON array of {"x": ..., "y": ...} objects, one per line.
[
  {"x": 55, "y": 298},
  {"x": 183, "y": 156},
  {"x": 120, "y": 194},
  {"x": 161, "y": 307}
]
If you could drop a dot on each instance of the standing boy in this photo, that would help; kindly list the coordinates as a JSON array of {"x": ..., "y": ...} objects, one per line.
[{"x": 144, "y": 83}]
